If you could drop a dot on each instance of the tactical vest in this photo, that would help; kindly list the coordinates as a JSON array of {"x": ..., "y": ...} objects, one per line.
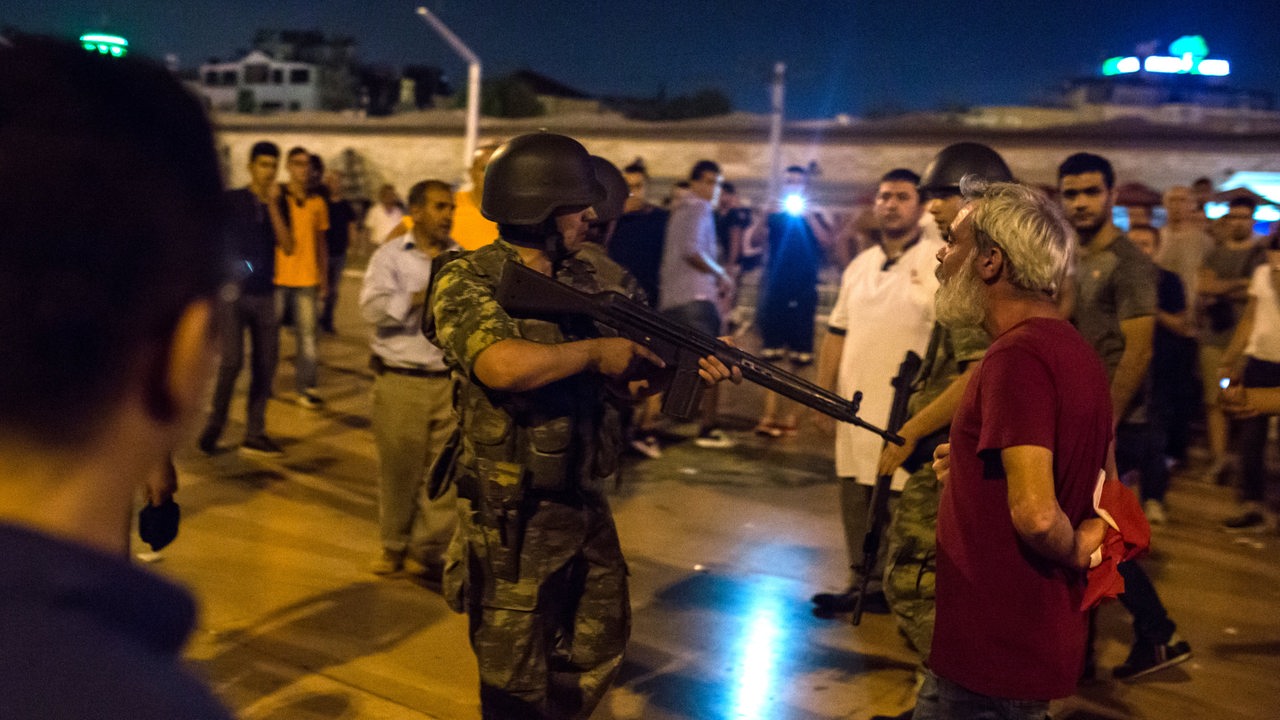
[{"x": 564, "y": 437}]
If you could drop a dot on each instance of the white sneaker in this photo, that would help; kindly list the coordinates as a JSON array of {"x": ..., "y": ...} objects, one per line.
[
  {"x": 647, "y": 446},
  {"x": 1154, "y": 510},
  {"x": 714, "y": 438},
  {"x": 310, "y": 400}
]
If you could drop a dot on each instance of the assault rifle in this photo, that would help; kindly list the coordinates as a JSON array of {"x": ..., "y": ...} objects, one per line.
[
  {"x": 878, "y": 512},
  {"x": 524, "y": 292}
]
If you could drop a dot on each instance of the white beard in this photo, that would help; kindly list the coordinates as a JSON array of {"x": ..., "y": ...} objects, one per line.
[{"x": 960, "y": 300}]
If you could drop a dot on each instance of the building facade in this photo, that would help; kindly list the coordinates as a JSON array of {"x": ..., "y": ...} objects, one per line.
[{"x": 257, "y": 83}]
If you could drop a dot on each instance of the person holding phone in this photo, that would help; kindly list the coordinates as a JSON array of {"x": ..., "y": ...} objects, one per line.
[{"x": 1252, "y": 362}]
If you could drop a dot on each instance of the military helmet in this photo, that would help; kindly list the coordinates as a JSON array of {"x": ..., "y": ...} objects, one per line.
[
  {"x": 615, "y": 190},
  {"x": 942, "y": 175},
  {"x": 530, "y": 176}
]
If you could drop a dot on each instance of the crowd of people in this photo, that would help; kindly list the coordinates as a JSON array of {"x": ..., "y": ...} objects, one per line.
[{"x": 1061, "y": 354}]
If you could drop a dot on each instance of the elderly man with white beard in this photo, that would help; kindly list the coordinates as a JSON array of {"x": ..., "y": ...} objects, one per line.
[{"x": 1016, "y": 525}]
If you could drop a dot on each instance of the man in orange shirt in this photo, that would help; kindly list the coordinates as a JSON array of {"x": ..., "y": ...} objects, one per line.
[
  {"x": 301, "y": 278},
  {"x": 471, "y": 229}
]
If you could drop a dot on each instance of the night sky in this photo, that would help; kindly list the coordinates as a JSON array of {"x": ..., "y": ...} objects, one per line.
[{"x": 843, "y": 57}]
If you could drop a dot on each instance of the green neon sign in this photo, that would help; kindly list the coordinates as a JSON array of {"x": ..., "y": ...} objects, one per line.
[{"x": 112, "y": 45}]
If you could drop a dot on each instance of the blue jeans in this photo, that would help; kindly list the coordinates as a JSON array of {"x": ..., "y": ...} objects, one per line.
[
  {"x": 941, "y": 699},
  {"x": 302, "y": 301}
]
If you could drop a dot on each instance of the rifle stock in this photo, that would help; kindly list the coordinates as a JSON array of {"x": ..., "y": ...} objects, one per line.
[
  {"x": 878, "y": 512},
  {"x": 524, "y": 292}
]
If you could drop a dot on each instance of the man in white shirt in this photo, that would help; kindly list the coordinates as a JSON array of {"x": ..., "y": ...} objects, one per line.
[
  {"x": 883, "y": 310},
  {"x": 412, "y": 404}
]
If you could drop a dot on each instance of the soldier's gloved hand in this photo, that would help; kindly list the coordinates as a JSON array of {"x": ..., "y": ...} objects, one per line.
[{"x": 621, "y": 358}]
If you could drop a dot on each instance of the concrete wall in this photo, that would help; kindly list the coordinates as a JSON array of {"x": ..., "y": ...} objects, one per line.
[{"x": 404, "y": 150}]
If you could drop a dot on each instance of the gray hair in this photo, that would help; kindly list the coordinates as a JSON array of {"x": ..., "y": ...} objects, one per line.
[{"x": 1038, "y": 243}]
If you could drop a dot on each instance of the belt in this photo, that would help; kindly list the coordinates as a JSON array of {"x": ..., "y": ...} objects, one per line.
[{"x": 379, "y": 366}]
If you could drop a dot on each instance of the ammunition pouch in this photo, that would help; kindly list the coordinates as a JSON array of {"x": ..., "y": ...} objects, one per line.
[{"x": 500, "y": 505}]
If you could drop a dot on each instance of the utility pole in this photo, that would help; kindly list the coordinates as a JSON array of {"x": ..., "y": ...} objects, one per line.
[
  {"x": 775, "y": 130},
  {"x": 473, "y": 84}
]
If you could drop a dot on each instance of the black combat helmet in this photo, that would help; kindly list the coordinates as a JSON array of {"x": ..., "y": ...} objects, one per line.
[
  {"x": 531, "y": 175},
  {"x": 615, "y": 190},
  {"x": 942, "y": 175}
]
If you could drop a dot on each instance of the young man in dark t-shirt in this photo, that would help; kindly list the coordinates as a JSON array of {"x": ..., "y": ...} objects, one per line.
[
  {"x": 1172, "y": 366},
  {"x": 255, "y": 228},
  {"x": 342, "y": 227},
  {"x": 637, "y": 241},
  {"x": 1115, "y": 311}
]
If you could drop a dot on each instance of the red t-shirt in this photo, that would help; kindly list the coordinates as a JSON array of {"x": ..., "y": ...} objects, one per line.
[{"x": 1008, "y": 623}]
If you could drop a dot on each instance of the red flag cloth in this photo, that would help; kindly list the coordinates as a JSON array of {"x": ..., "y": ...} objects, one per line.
[{"x": 1128, "y": 536}]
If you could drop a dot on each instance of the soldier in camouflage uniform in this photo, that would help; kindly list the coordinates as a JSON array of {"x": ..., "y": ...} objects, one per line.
[
  {"x": 949, "y": 361},
  {"x": 536, "y": 562}
]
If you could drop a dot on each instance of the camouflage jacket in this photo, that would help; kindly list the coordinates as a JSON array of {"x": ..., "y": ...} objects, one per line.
[{"x": 565, "y": 436}]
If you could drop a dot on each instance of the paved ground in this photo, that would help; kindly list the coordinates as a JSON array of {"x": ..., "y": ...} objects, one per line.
[{"x": 725, "y": 547}]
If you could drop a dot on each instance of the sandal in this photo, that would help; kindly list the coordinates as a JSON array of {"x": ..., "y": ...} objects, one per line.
[{"x": 768, "y": 429}]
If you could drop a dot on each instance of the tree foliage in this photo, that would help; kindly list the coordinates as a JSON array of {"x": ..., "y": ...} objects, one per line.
[
  {"x": 506, "y": 97},
  {"x": 708, "y": 102}
]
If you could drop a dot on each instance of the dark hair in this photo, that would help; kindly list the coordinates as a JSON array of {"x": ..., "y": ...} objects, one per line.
[
  {"x": 1243, "y": 201},
  {"x": 315, "y": 176},
  {"x": 637, "y": 166},
  {"x": 89, "y": 290},
  {"x": 264, "y": 147},
  {"x": 418, "y": 193},
  {"x": 728, "y": 188},
  {"x": 1150, "y": 228},
  {"x": 901, "y": 175},
  {"x": 1082, "y": 163},
  {"x": 704, "y": 166},
  {"x": 299, "y": 150},
  {"x": 797, "y": 169}
]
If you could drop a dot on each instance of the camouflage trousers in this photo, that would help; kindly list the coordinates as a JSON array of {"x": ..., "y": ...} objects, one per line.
[
  {"x": 549, "y": 644},
  {"x": 911, "y": 567}
]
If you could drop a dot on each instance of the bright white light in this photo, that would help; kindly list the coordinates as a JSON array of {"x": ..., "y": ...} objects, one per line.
[
  {"x": 759, "y": 648},
  {"x": 793, "y": 204},
  {"x": 1129, "y": 65},
  {"x": 1219, "y": 68},
  {"x": 1163, "y": 64}
]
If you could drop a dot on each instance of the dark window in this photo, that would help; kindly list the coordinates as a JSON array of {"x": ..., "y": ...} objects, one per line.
[
  {"x": 228, "y": 77},
  {"x": 295, "y": 105},
  {"x": 255, "y": 74},
  {"x": 211, "y": 78},
  {"x": 299, "y": 77},
  {"x": 277, "y": 76}
]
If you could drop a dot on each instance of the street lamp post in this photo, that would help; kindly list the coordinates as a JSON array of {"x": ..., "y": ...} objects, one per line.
[
  {"x": 776, "y": 106},
  {"x": 473, "y": 84}
]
